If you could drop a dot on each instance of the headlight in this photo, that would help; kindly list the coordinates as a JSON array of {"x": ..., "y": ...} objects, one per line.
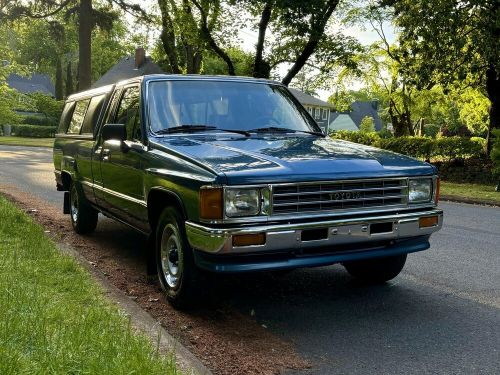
[
  {"x": 420, "y": 190},
  {"x": 242, "y": 202}
]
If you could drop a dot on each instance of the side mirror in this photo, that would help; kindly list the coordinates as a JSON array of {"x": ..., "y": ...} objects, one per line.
[{"x": 114, "y": 132}]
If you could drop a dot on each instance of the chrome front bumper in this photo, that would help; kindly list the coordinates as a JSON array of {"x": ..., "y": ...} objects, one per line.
[{"x": 288, "y": 236}]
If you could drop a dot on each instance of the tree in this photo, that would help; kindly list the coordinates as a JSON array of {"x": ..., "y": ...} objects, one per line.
[
  {"x": 453, "y": 41},
  {"x": 367, "y": 125},
  {"x": 301, "y": 34},
  {"x": 88, "y": 17}
]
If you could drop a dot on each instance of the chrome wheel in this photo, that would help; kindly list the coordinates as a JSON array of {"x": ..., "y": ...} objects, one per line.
[
  {"x": 74, "y": 204},
  {"x": 171, "y": 255}
]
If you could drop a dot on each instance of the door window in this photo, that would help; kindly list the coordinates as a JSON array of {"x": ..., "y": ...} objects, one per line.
[{"x": 128, "y": 113}]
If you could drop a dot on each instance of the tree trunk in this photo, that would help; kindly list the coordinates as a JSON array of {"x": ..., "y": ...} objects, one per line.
[
  {"x": 493, "y": 91},
  {"x": 59, "y": 79},
  {"x": 167, "y": 37},
  {"x": 69, "y": 80},
  {"x": 84, "y": 45},
  {"x": 260, "y": 68},
  {"x": 207, "y": 35},
  {"x": 317, "y": 30}
]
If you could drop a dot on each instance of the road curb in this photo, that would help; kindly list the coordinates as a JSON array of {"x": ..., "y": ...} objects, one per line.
[
  {"x": 456, "y": 199},
  {"x": 141, "y": 320}
]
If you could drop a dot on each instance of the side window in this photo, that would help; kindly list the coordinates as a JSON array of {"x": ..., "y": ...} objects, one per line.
[
  {"x": 66, "y": 117},
  {"x": 316, "y": 113},
  {"x": 93, "y": 113},
  {"x": 325, "y": 114},
  {"x": 78, "y": 116},
  {"x": 128, "y": 113}
]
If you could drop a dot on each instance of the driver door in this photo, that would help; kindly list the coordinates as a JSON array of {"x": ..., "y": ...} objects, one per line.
[{"x": 121, "y": 163}]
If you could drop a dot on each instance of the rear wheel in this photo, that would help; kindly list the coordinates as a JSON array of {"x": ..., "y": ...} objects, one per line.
[
  {"x": 83, "y": 215},
  {"x": 178, "y": 274},
  {"x": 376, "y": 270}
]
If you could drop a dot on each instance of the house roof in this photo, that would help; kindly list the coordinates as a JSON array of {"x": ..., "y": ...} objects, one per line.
[
  {"x": 35, "y": 83},
  {"x": 306, "y": 99},
  {"x": 125, "y": 69},
  {"x": 362, "y": 109},
  {"x": 342, "y": 121}
]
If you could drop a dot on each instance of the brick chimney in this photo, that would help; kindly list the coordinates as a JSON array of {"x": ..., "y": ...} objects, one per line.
[{"x": 140, "y": 57}]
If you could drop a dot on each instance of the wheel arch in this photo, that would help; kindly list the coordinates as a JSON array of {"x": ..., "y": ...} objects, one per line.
[
  {"x": 158, "y": 199},
  {"x": 66, "y": 180}
]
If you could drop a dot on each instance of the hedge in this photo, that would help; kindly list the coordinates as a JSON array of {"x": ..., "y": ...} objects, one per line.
[
  {"x": 34, "y": 131},
  {"x": 39, "y": 120},
  {"x": 427, "y": 148}
]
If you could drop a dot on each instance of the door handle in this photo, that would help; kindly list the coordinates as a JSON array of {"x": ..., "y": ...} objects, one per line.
[{"x": 105, "y": 154}]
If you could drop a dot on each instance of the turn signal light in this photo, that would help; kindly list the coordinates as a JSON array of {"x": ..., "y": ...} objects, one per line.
[
  {"x": 249, "y": 239},
  {"x": 211, "y": 203},
  {"x": 427, "y": 222}
]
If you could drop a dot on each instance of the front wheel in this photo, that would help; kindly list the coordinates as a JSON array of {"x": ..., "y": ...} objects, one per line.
[
  {"x": 178, "y": 274},
  {"x": 376, "y": 270},
  {"x": 83, "y": 215}
]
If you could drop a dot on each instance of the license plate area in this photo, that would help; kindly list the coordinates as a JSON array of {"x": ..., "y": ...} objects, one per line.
[
  {"x": 314, "y": 234},
  {"x": 381, "y": 228}
]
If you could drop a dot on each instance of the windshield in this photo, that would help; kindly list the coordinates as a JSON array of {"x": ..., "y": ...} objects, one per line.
[{"x": 225, "y": 105}]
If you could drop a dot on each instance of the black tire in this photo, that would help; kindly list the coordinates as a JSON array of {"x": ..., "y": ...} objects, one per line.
[
  {"x": 376, "y": 270},
  {"x": 179, "y": 276},
  {"x": 83, "y": 215}
]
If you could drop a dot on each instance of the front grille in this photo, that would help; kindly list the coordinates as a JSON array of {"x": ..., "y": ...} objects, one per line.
[{"x": 341, "y": 195}]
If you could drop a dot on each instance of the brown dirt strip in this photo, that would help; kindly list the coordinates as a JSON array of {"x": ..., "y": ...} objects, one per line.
[{"x": 225, "y": 340}]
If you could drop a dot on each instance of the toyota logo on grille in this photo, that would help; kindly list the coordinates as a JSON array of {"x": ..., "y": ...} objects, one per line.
[{"x": 345, "y": 195}]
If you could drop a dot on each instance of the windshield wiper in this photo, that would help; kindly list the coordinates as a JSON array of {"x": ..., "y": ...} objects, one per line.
[
  {"x": 275, "y": 129},
  {"x": 187, "y": 128}
]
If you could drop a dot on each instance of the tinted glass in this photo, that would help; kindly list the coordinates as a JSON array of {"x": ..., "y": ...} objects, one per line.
[
  {"x": 66, "y": 117},
  {"x": 128, "y": 113},
  {"x": 92, "y": 115},
  {"x": 78, "y": 116},
  {"x": 228, "y": 105}
]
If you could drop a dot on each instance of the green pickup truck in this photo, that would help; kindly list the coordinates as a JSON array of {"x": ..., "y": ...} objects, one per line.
[{"x": 232, "y": 174}]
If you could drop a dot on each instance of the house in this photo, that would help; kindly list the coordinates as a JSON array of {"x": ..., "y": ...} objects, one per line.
[
  {"x": 352, "y": 120},
  {"x": 319, "y": 109},
  {"x": 129, "y": 67},
  {"x": 35, "y": 83},
  {"x": 342, "y": 121}
]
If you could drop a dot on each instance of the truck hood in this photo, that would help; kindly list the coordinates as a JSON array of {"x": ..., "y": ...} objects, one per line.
[{"x": 272, "y": 159}]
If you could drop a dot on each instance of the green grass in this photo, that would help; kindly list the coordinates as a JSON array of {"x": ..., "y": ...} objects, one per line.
[
  {"x": 471, "y": 191},
  {"x": 21, "y": 141},
  {"x": 54, "y": 319}
]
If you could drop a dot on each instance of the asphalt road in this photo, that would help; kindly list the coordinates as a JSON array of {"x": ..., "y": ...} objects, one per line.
[{"x": 440, "y": 316}]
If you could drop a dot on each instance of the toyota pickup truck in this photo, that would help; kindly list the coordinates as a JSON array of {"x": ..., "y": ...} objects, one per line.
[{"x": 232, "y": 174}]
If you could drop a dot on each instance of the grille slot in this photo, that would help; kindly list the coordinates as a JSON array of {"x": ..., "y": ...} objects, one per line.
[{"x": 333, "y": 196}]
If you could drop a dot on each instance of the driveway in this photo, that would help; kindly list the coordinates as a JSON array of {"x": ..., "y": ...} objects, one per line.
[{"x": 440, "y": 316}]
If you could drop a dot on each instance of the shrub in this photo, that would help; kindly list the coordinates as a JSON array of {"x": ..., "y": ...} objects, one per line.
[
  {"x": 417, "y": 147},
  {"x": 420, "y": 147},
  {"x": 47, "y": 105},
  {"x": 458, "y": 147},
  {"x": 369, "y": 139},
  {"x": 367, "y": 125},
  {"x": 39, "y": 120},
  {"x": 431, "y": 130},
  {"x": 34, "y": 131},
  {"x": 461, "y": 131}
]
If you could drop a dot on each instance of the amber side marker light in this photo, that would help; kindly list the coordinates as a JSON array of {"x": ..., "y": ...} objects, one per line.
[
  {"x": 249, "y": 239},
  {"x": 211, "y": 203},
  {"x": 427, "y": 222}
]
